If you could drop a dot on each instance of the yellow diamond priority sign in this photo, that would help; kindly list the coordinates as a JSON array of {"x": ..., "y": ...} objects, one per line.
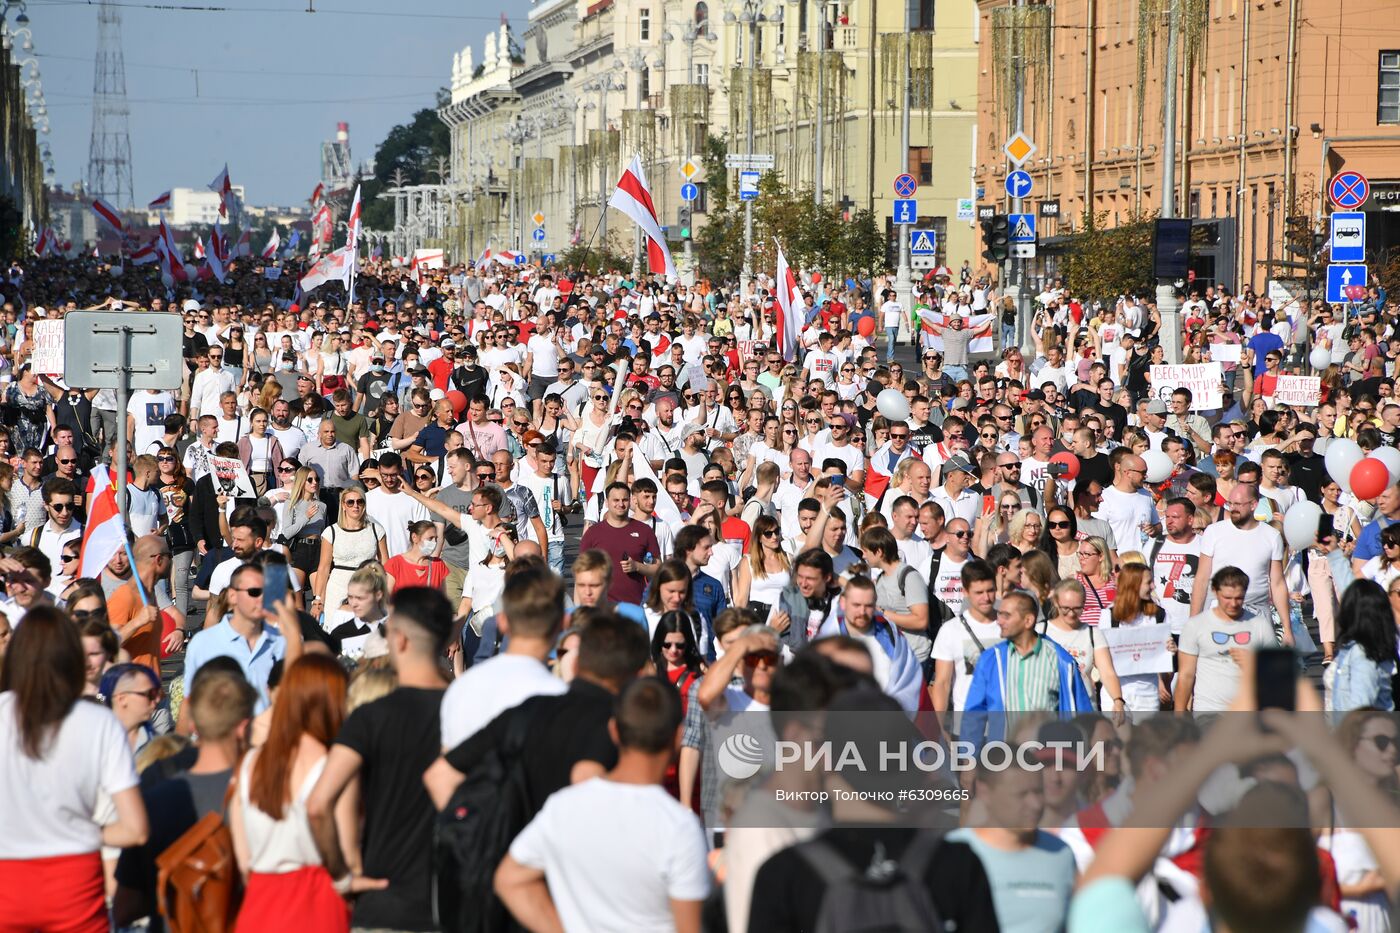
[
  {"x": 689, "y": 169},
  {"x": 1019, "y": 148},
  {"x": 538, "y": 218}
]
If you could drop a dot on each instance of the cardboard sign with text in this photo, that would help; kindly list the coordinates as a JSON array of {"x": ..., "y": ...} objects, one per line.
[
  {"x": 1203, "y": 379},
  {"x": 48, "y": 347},
  {"x": 1298, "y": 390}
]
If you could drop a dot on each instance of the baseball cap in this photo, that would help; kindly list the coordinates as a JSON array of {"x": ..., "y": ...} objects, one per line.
[
  {"x": 1156, "y": 407},
  {"x": 449, "y": 343},
  {"x": 190, "y": 305},
  {"x": 690, "y": 429},
  {"x": 960, "y": 464}
]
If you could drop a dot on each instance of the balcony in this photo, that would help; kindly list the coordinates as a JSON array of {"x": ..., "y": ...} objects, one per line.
[{"x": 844, "y": 39}]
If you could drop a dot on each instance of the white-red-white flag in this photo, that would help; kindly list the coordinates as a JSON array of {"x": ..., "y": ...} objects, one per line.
[
  {"x": 160, "y": 202},
  {"x": 275, "y": 241},
  {"x": 224, "y": 187},
  {"x": 105, "y": 533},
  {"x": 42, "y": 245},
  {"x": 633, "y": 198},
  {"x": 317, "y": 195},
  {"x": 336, "y": 266},
  {"x": 218, "y": 242},
  {"x": 244, "y": 249},
  {"x": 144, "y": 256},
  {"x": 353, "y": 232},
  {"x": 215, "y": 262},
  {"x": 199, "y": 249},
  {"x": 110, "y": 214},
  {"x": 789, "y": 295}
]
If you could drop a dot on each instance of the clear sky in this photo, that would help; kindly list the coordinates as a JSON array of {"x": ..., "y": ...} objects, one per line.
[{"x": 257, "y": 83}]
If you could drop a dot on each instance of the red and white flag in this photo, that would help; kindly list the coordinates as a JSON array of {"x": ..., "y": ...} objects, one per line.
[
  {"x": 317, "y": 195},
  {"x": 244, "y": 249},
  {"x": 224, "y": 188},
  {"x": 108, "y": 213},
  {"x": 144, "y": 256},
  {"x": 215, "y": 263},
  {"x": 337, "y": 266},
  {"x": 160, "y": 202},
  {"x": 633, "y": 198},
  {"x": 353, "y": 235},
  {"x": 275, "y": 241},
  {"x": 105, "y": 534},
  {"x": 789, "y": 295},
  {"x": 321, "y": 230},
  {"x": 45, "y": 241},
  {"x": 199, "y": 249},
  {"x": 172, "y": 263},
  {"x": 218, "y": 243}
]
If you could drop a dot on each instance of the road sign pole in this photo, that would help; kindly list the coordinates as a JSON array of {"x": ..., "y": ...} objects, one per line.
[
  {"x": 1168, "y": 307},
  {"x": 123, "y": 400},
  {"x": 903, "y": 284},
  {"x": 1018, "y": 266}
]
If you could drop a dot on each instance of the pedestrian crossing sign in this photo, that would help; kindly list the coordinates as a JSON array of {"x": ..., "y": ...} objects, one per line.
[
  {"x": 1022, "y": 228},
  {"x": 923, "y": 243}
]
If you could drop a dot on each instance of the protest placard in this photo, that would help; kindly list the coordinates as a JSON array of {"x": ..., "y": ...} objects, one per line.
[
  {"x": 1298, "y": 390},
  {"x": 1141, "y": 649},
  {"x": 48, "y": 348},
  {"x": 1203, "y": 379},
  {"x": 231, "y": 478}
]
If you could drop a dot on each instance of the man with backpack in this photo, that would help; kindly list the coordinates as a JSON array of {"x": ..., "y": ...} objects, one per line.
[
  {"x": 870, "y": 870},
  {"x": 388, "y": 744},
  {"x": 221, "y": 706},
  {"x": 656, "y": 875},
  {"x": 901, "y": 594}
]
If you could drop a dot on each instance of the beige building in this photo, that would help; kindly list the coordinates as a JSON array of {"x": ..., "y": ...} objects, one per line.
[
  {"x": 544, "y": 123},
  {"x": 1275, "y": 98}
]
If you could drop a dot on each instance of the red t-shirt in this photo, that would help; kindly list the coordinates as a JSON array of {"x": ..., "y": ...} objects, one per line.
[
  {"x": 441, "y": 370},
  {"x": 633, "y": 540},
  {"x": 405, "y": 574}
]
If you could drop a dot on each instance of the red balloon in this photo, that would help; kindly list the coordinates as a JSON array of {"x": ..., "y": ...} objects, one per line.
[
  {"x": 866, "y": 326},
  {"x": 458, "y": 399},
  {"x": 1369, "y": 478},
  {"x": 1070, "y": 461}
]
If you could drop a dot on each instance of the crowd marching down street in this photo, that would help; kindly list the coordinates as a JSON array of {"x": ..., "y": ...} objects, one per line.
[{"x": 490, "y": 596}]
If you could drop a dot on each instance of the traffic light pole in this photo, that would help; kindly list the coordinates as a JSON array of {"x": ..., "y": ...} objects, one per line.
[
  {"x": 903, "y": 282},
  {"x": 1017, "y": 289},
  {"x": 1168, "y": 307}
]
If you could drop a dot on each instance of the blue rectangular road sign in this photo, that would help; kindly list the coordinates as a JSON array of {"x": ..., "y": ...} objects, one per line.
[
  {"x": 1340, "y": 278},
  {"x": 748, "y": 186},
  {"x": 1348, "y": 236},
  {"x": 923, "y": 243},
  {"x": 906, "y": 211},
  {"x": 1021, "y": 228}
]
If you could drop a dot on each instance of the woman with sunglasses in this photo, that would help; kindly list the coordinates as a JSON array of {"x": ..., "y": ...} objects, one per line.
[
  {"x": 235, "y": 352},
  {"x": 759, "y": 580},
  {"x": 778, "y": 440},
  {"x": 994, "y": 527},
  {"x": 1096, "y": 576},
  {"x": 345, "y": 546},
  {"x": 176, "y": 491},
  {"x": 1370, "y": 736},
  {"x": 303, "y": 518},
  {"x": 261, "y": 356},
  {"x": 588, "y": 447},
  {"x": 848, "y": 384},
  {"x": 1061, "y": 540},
  {"x": 1360, "y": 676}
]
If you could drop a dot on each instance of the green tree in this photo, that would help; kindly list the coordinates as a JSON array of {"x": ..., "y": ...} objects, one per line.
[
  {"x": 1103, "y": 262},
  {"x": 413, "y": 148}
]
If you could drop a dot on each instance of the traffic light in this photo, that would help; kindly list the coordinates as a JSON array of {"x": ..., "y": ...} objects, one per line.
[
  {"x": 1297, "y": 234},
  {"x": 996, "y": 238},
  {"x": 684, "y": 217}
]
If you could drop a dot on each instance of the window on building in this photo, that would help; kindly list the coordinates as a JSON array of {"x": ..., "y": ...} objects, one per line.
[
  {"x": 646, "y": 83},
  {"x": 644, "y": 18},
  {"x": 702, "y": 12},
  {"x": 923, "y": 14},
  {"x": 1388, "y": 91},
  {"x": 702, "y": 73},
  {"x": 921, "y": 164}
]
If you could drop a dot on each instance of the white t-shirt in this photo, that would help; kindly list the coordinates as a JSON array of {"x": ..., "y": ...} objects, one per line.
[
  {"x": 1251, "y": 551},
  {"x": 149, "y": 410},
  {"x": 490, "y": 688},
  {"x": 891, "y": 314},
  {"x": 615, "y": 855},
  {"x": 848, "y": 454},
  {"x": 223, "y": 573},
  {"x": 393, "y": 511},
  {"x": 1124, "y": 512},
  {"x": 544, "y": 355},
  {"x": 953, "y": 644},
  {"x": 821, "y": 366},
  {"x": 948, "y": 585},
  {"x": 49, "y": 803},
  {"x": 292, "y": 439},
  {"x": 1174, "y": 579}
]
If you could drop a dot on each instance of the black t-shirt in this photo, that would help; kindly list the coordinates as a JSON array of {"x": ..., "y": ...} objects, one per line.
[
  {"x": 1308, "y": 474},
  {"x": 787, "y": 892},
  {"x": 470, "y": 380},
  {"x": 1096, "y": 467},
  {"x": 1115, "y": 413},
  {"x": 397, "y": 737},
  {"x": 565, "y": 730},
  {"x": 194, "y": 344}
]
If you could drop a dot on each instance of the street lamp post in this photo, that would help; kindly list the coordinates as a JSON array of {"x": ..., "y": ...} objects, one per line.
[
  {"x": 637, "y": 61},
  {"x": 608, "y": 81},
  {"x": 750, "y": 14}
]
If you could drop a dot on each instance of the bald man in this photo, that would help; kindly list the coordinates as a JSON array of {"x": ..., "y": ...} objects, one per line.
[
  {"x": 137, "y": 621},
  {"x": 1127, "y": 507}
]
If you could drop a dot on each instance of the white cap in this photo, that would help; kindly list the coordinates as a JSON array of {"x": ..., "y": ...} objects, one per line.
[
  {"x": 437, "y": 395},
  {"x": 190, "y": 305}
]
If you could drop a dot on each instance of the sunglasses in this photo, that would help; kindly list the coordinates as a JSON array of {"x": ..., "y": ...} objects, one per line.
[
  {"x": 253, "y": 591},
  {"x": 600, "y": 398},
  {"x": 673, "y": 646},
  {"x": 352, "y": 503},
  {"x": 69, "y": 558},
  {"x": 61, "y": 506},
  {"x": 1383, "y": 743},
  {"x": 87, "y": 615},
  {"x": 153, "y": 695},
  {"x": 961, "y": 534},
  {"x": 165, "y": 459},
  {"x": 1057, "y": 524},
  {"x": 67, "y": 462}
]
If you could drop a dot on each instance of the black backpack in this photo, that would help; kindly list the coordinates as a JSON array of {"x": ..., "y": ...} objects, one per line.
[
  {"x": 890, "y": 896},
  {"x": 473, "y": 833}
]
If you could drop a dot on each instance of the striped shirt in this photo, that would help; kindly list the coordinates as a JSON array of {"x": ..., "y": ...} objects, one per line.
[{"x": 1032, "y": 679}]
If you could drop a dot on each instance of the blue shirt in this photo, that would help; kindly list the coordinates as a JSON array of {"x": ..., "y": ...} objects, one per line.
[
  {"x": 1261, "y": 343},
  {"x": 222, "y": 641},
  {"x": 1368, "y": 543}
]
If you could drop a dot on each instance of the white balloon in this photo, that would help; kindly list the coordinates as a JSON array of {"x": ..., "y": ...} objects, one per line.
[
  {"x": 117, "y": 271},
  {"x": 1159, "y": 466},
  {"x": 1320, "y": 358},
  {"x": 893, "y": 405},
  {"x": 1391, "y": 458},
  {"x": 1343, "y": 453},
  {"x": 167, "y": 280},
  {"x": 1300, "y": 525}
]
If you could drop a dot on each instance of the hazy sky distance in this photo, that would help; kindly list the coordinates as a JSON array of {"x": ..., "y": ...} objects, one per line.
[{"x": 257, "y": 83}]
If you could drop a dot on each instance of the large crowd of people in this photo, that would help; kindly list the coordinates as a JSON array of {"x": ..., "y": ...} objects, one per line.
[{"x": 343, "y": 643}]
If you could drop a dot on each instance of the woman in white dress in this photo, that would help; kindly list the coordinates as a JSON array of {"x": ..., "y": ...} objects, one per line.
[
  {"x": 759, "y": 581},
  {"x": 588, "y": 446},
  {"x": 352, "y": 540}
]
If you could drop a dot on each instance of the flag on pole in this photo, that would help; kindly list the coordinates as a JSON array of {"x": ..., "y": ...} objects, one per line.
[
  {"x": 172, "y": 262},
  {"x": 317, "y": 196},
  {"x": 105, "y": 533},
  {"x": 108, "y": 213},
  {"x": 353, "y": 227},
  {"x": 633, "y": 198},
  {"x": 160, "y": 202},
  {"x": 45, "y": 239},
  {"x": 215, "y": 264},
  {"x": 787, "y": 325},
  {"x": 218, "y": 242},
  {"x": 244, "y": 249},
  {"x": 336, "y": 266},
  {"x": 274, "y": 241},
  {"x": 199, "y": 249},
  {"x": 144, "y": 256},
  {"x": 293, "y": 242},
  {"x": 322, "y": 228},
  {"x": 224, "y": 188}
]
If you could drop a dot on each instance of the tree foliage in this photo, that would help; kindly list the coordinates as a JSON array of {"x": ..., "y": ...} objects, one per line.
[
  {"x": 413, "y": 148},
  {"x": 813, "y": 236},
  {"x": 1103, "y": 262}
]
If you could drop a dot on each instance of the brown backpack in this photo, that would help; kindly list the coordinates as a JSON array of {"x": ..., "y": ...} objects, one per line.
[{"x": 199, "y": 886}]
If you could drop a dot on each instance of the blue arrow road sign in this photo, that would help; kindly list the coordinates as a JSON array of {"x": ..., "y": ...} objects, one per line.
[
  {"x": 1022, "y": 228},
  {"x": 1339, "y": 278},
  {"x": 1018, "y": 184},
  {"x": 520, "y": 259},
  {"x": 689, "y": 191},
  {"x": 906, "y": 211},
  {"x": 905, "y": 185},
  {"x": 923, "y": 243},
  {"x": 1348, "y": 239},
  {"x": 538, "y": 235}
]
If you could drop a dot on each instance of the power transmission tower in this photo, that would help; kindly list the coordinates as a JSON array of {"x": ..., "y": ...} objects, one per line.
[{"x": 109, "y": 152}]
